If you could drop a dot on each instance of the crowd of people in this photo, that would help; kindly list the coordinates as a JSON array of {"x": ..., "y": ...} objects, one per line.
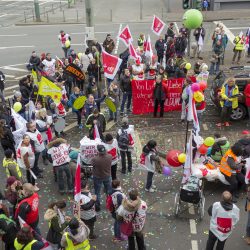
[{"x": 44, "y": 136}]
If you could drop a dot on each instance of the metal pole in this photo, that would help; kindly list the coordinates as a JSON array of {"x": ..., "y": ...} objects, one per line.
[
  {"x": 167, "y": 6},
  {"x": 60, "y": 5},
  {"x": 141, "y": 9},
  {"x": 47, "y": 17},
  {"x": 53, "y": 9},
  {"x": 63, "y": 16},
  {"x": 189, "y": 44},
  {"x": 37, "y": 10},
  {"x": 89, "y": 13},
  {"x": 33, "y": 15},
  {"x": 77, "y": 16},
  {"x": 25, "y": 17},
  {"x": 111, "y": 15}
]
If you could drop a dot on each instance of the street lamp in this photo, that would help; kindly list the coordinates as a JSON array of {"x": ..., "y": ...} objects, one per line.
[{"x": 37, "y": 11}]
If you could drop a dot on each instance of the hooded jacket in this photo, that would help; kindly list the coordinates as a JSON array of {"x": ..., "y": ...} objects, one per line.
[
  {"x": 245, "y": 143},
  {"x": 219, "y": 148},
  {"x": 55, "y": 227},
  {"x": 81, "y": 236}
]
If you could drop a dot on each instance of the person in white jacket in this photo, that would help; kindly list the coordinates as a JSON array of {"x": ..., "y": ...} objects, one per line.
[{"x": 224, "y": 217}]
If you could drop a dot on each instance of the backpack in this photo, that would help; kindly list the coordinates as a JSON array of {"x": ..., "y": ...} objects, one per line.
[
  {"x": 109, "y": 204},
  {"x": 123, "y": 140}
]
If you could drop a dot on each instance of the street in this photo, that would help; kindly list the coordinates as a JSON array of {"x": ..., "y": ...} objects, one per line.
[{"x": 163, "y": 230}]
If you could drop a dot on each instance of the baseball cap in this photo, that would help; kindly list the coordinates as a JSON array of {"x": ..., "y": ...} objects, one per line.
[{"x": 101, "y": 149}]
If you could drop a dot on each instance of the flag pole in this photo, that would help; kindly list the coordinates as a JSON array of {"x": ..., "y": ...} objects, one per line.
[{"x": 186, "y": 137}]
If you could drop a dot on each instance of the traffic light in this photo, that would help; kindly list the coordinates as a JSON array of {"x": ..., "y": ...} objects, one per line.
[{"x": 186, "y": 4}]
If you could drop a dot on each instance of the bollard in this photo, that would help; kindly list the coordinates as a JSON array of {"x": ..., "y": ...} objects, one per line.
[
  {"x": 25, "y": 20},
  {"x": 111, "y": 15},
  {"x": 77, "y": 16},
  {"x": 63, "y": 16},
  {"x": 47, "y": 16},
  {"x": 53, "y": 9}
]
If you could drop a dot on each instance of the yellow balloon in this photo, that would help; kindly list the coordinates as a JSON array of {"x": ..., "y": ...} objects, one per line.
[
  {"x": 209, "y": 141},
  {"x": 188, "y": 66},
  {"x": 198, "y": 96},
  {"x": 17, "y": 106},
  {"x": 79, "y": 55},
  {"x": 79, "y": 102},
  {"x": 182, "y": 158},
  {"x": 110, "y": 104},
  {"x": 67, "y": 44}
]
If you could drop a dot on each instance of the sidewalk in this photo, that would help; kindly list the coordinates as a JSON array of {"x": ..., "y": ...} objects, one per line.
[{"x": 124, "y": 11}]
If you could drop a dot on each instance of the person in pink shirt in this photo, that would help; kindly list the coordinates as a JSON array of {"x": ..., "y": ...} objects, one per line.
[{"x": 247, "y": 95}]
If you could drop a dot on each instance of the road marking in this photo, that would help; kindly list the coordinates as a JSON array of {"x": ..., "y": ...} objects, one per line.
[
  {"x": 11, "y": 4},
  {"x": 227, "y": 31},
  {"x": 70, "y": 126},
  {"x": 238, "y": 28},
  {"x": 15, "y": 69},
  {"x": 52, "y": 1},
  {"x": 96, "y": 32},
  {"x": 194, "y": 244},
  {"x": 191, "y": 208},
  {"x": 13, "y": 65},
  {"x": 20, "y": 77},
  {"x": 76, "y": 44},
  {"x": 204, "y": 125},
  {"x": 3, "y": 15},
  {"x": 13, "y": 35},
  {"x": 177, "y": 28},
  {"x": 17, "y": 47},
  {"x": 12, "y": 87},
  {"x": 193, "y": 229},
  {"x": 9, "y": 76},
  {"x": 117, "y": 39}
]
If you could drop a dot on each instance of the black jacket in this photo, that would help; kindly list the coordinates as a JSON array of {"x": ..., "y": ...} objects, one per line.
[
  {"x": 245, "y": 143},
  {"x": 160, "y": 47},
  {"x": 2, "y": 80},
  {"x": 125, "y": 84},
  {"x": 93, "y": 70},
  {"x": 101, "y": 124},
  {"x": 159, "y": 92},
  {"x": 26, "y": 91},
  {"x": 170, "y": 33},
  {"x": 180, "y": 44},
  {"x": 8, "y": 139},
  {"x": 35, "y": 61},
  {"x": 199, "y": 31}
]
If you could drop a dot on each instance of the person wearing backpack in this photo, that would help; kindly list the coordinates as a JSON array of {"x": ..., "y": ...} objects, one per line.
[
  {"x": 87, "y": 208},
  {"x": 126, "y": 144},
  {"x": 133, "y": 214},
  {"x": 113, "y": 202}
]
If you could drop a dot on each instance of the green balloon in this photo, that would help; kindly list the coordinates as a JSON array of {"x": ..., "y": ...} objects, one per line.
[{"x": 192, "y": 19}]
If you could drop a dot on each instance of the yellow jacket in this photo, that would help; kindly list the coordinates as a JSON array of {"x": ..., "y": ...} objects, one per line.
[
  {"x": 224, "y": 96},
  {"x": 12, "y": 168},
  {"x": 239, "y": 43}
]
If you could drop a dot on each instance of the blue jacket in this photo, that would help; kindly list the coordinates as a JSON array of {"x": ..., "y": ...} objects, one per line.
[{"x": 72, "y": 99}]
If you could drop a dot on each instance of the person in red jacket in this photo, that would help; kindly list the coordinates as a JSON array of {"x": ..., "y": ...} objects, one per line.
[
  {"x": 27, "y": 208},
  {"x": 247, "y": 95}
]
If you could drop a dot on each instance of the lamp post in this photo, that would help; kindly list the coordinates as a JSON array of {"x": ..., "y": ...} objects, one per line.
[{"x": 37, "y": 11}]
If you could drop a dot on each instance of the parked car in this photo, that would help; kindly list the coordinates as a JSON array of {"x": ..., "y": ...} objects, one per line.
[{"x": 241, "y": 80}]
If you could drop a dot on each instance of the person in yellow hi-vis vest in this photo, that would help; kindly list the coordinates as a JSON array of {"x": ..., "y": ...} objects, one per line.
[
  {"x": 238, "y": 48},
  {"x": 230, "y": 167},
  {"x": 76, "y": 236},
  {"x": 25, "y": 240}
]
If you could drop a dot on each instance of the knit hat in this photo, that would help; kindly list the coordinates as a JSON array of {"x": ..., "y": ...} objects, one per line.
[
  {"x": 11, "y": 180},
  {"x": 17, "y": 93},
  {"x": 101, "y": 149},
  {"x": 124, "y": 120}
]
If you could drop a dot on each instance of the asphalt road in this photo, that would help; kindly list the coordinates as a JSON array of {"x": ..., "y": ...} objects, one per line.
[{"x": 163, "y": 230}]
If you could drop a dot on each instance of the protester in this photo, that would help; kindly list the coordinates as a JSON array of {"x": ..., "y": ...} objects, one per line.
[
  {"x": 126, "y": 145},
  {"x": 8, "y": 228},
  {"x": 126, "y": 88},
  {"x": 34, "y": 62},
  {"x": 133, "y": 210},
  {"x": 11, "y": 166},
  {"x": 92, "y": 103},
  {"x": 140, "y": 41},
  {"x": 108, "y": 44},
  {"x": 25, "y": 240},
  {"x": 49, "y": 66},
  {"x": 101, "y": 173},
  {"x": 228, "y": 101},
  {"x": 2, "y": 82},
  {"x": 160, "y": 95},
  {"x": 111, "y": 146},
  {"x": 170, "y": 51},
  {"x": 247, "y": 208},
  {"x": 76, "y": 236},
  {"x": 63, "y": 38},
  {"x": 59, "y": 151},
  {"x": 224, "y": 217},
  {"x": 99, "y": 120},
  {"x": 160, "y": 49},
  {"x": 170, "y": 32},
  {"x": 28, "y": 207},
  {"x": 238, "y": 48},
  {"x": 114, "y": 94},
  {"x": 117, "y": 197},
  {"x": 216, "y": 58},
  {"x": 138, "y": 70},
  {"x": 199, "y": 35},
  {"x": 185, "y": 98},
  {"x": 244, "y": 142},
  {"x": 87, "y": 203},
  {"x": 230, "y": 167},
  {"x": 58, "y": 221},
  {"x": 180, "y": 44},
  {"x": 247, "y": 95}
]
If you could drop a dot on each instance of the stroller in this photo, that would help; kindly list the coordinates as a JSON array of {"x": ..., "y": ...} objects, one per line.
[{"x": 191, "y": 192}]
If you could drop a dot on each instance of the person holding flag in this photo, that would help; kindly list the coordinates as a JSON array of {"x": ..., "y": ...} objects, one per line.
[{"x": 160, "y": 49}]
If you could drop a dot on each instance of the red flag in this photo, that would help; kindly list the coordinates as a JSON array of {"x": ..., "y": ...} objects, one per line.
[
  {"x": 126, "y": 36},
  {"x": 148, "y": 48},
  {"x": 96, "y": 132},
  {"x": 111, "y": 64},
  {"x": 133, "y": 52},
  {"x": 157, "y": 25},
  {"x": 77, "y": 189}
]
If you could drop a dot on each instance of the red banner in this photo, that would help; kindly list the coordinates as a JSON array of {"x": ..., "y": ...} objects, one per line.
[{"x": 143, "y": 95}]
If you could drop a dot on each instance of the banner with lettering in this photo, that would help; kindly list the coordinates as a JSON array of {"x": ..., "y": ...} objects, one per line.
[
  {"x": 75, "y": 71},
  {"x": 143, "y": 101}
]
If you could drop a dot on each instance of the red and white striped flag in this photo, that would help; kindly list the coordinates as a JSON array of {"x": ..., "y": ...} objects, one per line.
[
  {"x": 148, "y": 48},
  {"x": 96, "y": 132},
  {"x": 47, "y": 246},
  {"x": 157, "y": 25},
  {"x": 126, "y": 36},
  {"x": 77, "y": 188},
  {"x": 192, "y": 112},
  {"x": 133, "y": 52},
  {"x": 187, "y": 170},
  {"x": 111, "y": 64}
]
